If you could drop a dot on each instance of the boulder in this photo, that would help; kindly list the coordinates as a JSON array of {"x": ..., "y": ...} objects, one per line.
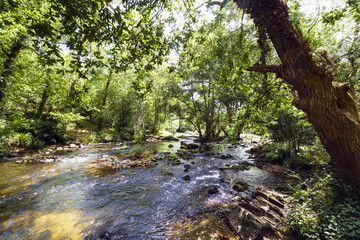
[
  {"x": 108, "y": 139},
  {"x": 186, "y": 178},
  {"x": 268, "y": 197},
  {"x": 48, "y": 160},
  {"x": 166, "y": 173},
  {"x": 184, "y": 154},
  {"x": 245, "y": 223},
  {"x": 258, "y": 219},
  {"x": 170, "y": 138},
  {"x": 225, "y": 156},
  {"x": 185, "y": 145},
  {"x": 214, "y": 189},
  {"x": 12, "y": 155},
  {"x": 187, "y": 167},
  {"x": 242, "y": 166},
  {"x": 240, "y": 186}
]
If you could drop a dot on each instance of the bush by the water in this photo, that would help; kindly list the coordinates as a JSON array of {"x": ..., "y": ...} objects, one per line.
[
  {"x": 291, "y": 126},
  {"x": 22, "y": 131},
  {"x": 329, "y": 210}
]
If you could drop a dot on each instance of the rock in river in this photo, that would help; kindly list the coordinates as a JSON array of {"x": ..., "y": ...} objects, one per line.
[
  {"x": 214, "y": 189},
  {"x": 240, "y": 186},
  {"x": 186, "y": 178},
  {"x": 259, "y": 219}
]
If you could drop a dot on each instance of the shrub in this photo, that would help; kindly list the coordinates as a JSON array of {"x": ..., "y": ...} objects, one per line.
[
  {"x": 173, "y": 156},
  {"x": 91, "y": 137},
  {"x": 329, "y": 210},
  {"x": 48, "y": 130},
  {"x": 140, "y": 151},
  {"x": 137, "y": 151},
  {"x": 21, "y": 140},
  {"x": 291, "y": 126},
  {"x": 4, "y": 147}
]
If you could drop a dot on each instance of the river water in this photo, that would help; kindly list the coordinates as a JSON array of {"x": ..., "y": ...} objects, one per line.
[{"x": 74, "y": 198}]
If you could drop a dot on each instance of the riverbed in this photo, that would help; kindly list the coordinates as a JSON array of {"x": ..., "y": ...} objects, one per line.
[{"x": 74, "y": 198}]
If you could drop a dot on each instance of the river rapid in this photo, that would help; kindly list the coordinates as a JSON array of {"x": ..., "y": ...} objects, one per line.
[{"x": 74, "y": 198}]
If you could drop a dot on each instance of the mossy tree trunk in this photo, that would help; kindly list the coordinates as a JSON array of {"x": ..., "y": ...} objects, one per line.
[
  {"x": 329, "y": 107},
  {"x": 45, "y": 97},
  {"x": 8, "y": 64}
]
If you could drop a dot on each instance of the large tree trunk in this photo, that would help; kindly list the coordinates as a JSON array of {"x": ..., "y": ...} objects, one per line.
[{"x": 329, "y": 107}]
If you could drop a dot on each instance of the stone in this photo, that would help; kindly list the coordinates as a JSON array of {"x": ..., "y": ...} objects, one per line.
[
  {"x": 59, "y": 148},
  {"x": 12, "y": 155},
  {"x": 245, "y": 198},
  {"x": 186, "y": 178},
  {"x": 72, "y": 145},
  {"x": 175, "y": 162},
  {"x": 171, "y": 146},
  {"x": 234, "y": 167},
  {"x": 185, "y": 145},
  {"x": 242, "y": 183},
  {"x": 187, "y": 167},
  {"x": 246, "y": 224},
  {"x": 238, "y": 188},
  {"x": 166, "y": 173},
  {"x": 49, "y": 160},
  {"x": 184, "y": 154},
  {"x": 268, "y": 198},
  {"x": 214, "y": 189},
  {"x": 225, "y": 156},
  {"x": 108, "y": 139},
  {"x": 170, "y": 138}
]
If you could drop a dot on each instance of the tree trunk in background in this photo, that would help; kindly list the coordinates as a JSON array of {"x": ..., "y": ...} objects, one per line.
[
  {"x": 44, "y": 98},
  {"x": 352, "y": 59},
  {"x": 329, "y": 107},
  {"x": 107, "y": 88},
  {"x": 72, "y": 93},
  {"x": 155, "y": 129},
  {"x": 8, "y": 64},
  {"x": 143, "y": 128}
]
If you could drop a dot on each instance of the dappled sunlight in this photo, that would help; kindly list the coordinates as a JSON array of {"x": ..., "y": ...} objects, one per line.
[
  {"x": 76, "y": 197},
  {"x": 19, "y": 221},
  {"x": 206, "y": 227},
  {"x": 62, "y": 225}
]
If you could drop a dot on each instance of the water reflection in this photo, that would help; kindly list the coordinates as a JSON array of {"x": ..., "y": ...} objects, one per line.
[{"x": 76, "y": 199}]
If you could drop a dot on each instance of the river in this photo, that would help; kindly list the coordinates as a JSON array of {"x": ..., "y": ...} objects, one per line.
[{"x": 73, "y": 198}]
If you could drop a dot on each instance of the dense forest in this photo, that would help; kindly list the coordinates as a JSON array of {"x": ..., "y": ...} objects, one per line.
[{"x": 95, "y": 71}]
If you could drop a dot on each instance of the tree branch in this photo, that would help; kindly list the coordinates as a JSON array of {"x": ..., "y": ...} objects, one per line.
[
  {"x": 264, "y": 68},
  {"x": 325, "y": 55}
]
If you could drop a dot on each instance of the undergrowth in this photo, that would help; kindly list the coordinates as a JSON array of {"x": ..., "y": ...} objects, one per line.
[{"x": 329, "y": 210}]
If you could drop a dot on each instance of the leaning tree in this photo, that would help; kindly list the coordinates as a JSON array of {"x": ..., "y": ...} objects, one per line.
[{"x": 327, "y": 103}]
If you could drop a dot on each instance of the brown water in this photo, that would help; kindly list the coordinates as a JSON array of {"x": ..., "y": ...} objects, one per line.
[{"x": 75, "y": 199}]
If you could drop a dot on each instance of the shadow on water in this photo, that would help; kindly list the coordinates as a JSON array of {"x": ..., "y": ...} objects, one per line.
[{"x": 75, "y": 199}]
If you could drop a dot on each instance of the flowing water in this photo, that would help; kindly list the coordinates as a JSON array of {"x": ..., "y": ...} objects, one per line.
[{"x": 74, "y": 198}]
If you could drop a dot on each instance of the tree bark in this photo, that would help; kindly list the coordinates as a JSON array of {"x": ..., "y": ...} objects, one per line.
[
  {"x": 329, "y": 107},
  {"x": 44, "y": 98},
  {"x": 9, "y": 62},
  {"x": 106, "y": 90}
]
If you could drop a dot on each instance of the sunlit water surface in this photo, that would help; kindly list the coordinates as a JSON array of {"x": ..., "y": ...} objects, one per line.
[{"x": 75, "y": 199}]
